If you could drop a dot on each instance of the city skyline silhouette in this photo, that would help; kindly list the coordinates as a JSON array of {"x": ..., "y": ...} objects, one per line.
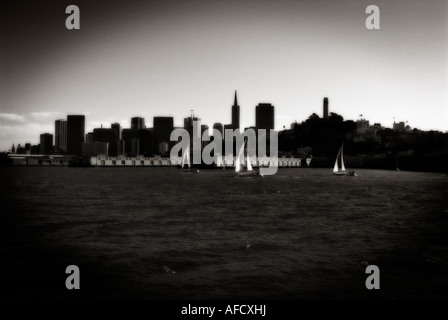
[{"x": 153, "y": 59}]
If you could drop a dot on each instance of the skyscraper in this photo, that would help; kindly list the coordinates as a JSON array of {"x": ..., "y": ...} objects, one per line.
[
  {"x": 163, "y": 126},
  {"x": 75, "y": 134},
  {"x": 235, "y": 114},
  {"x": 325, "y": 108},
  {"x": 60, "y": 131},
  {"x": 46, "y": 143},
  {"x": 264, "y": 116},
  {"x": 137, "y": 123},
  {"x": 116, "y": 126},
  {"x": 138, "y": 141},
  {"x": 106, "y": 135},
  {"x": 89, "y": 137},
  {"x": 188, "y": 125}
]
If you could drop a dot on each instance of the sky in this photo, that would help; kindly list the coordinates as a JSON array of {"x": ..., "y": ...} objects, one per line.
[{"x": 165, "y": 58}]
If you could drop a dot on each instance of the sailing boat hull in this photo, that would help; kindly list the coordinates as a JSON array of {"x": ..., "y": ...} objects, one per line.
[
  {"x": 341, "y": 173},
  {"x": 191, "y": 170},
  {"x": 247, "y": 173}
]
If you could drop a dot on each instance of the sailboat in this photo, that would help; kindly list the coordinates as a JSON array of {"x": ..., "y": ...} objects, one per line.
[
  {"x": 239, "y": 164},
  {"x": 186, "y": 161},
  {"x": 308, "y": 161},
  {"x": 341, "y": 171}
]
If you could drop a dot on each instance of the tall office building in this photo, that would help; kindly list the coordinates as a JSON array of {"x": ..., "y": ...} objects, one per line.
[
  {"x": 188, "y": 125},
  {"x": 204, "y": 128},
  {"x": 121, "y": 147},
  {"x": 325, "y": 108},
  {"x": 235, "y": 114},
  {"x": 60, "y": 137},
  {"x": 27, "y": 148},
  {"x": 146, "y": 146},
  {"x": 75, "y": 134},
  {"x": 264, "y": 116},
  {"x": 89, "y": 137},
  {"x": 109, "y": 136},
  {"x": 128, "y": 135},
  {"x": 138, "y": 141},
  {"x": 46, "y": 143},
  {"x": 90, "y": 149},
  {"x": 116, "y": 126},
  {"x": 135, "y": 146},
  {"x": 137, "y": 123},
  {"x": 163, "y": 126}
]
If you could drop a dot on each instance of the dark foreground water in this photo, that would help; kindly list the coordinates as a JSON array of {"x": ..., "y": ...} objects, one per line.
[{"x": 158, "y": 233}]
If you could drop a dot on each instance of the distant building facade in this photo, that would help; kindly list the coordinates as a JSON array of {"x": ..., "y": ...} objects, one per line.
[
  {"x": 264, "y": 116},
  {"x": 27, "y": 148},
  {"x": 89, "y": 137},
  {"x": 117, "y": 128},
  {"x": 75, "y": 134},
  {"x": 398, "y": 126},
  {"x": 188, "y": 125},
  {"x": 94, "y": 149},
  {"x": 163, "y": 126},
  {"x": 60, "y": 135},
  {"x": 362, "y": 126},
  {"x": 138, "y": 141},
  {"x": 109, "y": 136},
  {"x": 46, "y": 143},
  {"x": 137, "y": 123}
]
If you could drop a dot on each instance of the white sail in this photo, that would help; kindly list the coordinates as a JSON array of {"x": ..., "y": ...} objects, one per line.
[
  {"x": 183, "y": 160},
  {"x": 249, "y": 164},
  {"x": 186, "y": 157},
  {"x": 342, "y": 159},
  {"x": 336, "y": 167},
  {"x": 237, "y": 164},
  {"x": 239, "y": 159}
]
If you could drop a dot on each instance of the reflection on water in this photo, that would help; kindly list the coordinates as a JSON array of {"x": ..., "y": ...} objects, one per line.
[{"x": 158, "y": 233}]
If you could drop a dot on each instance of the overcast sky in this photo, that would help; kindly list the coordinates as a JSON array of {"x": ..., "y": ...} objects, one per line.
[{"x": 137, "y": 58}]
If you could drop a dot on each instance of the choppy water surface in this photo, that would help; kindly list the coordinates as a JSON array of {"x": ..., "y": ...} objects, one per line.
[{"x": 158, "y": 233}]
